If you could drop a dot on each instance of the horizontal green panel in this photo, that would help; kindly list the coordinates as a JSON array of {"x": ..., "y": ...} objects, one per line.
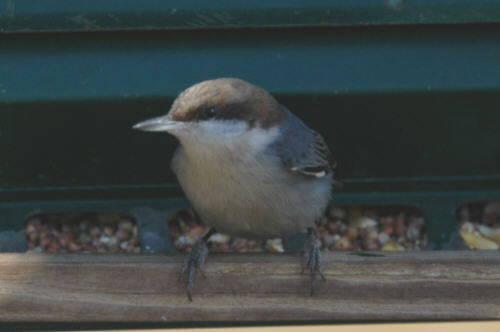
[
  {"x": 151, "y": 213},
  {"x": 314, "y": 61},
  {"x": 64, "y": 15}
]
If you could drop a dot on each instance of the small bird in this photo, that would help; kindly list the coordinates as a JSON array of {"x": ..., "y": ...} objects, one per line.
[{"x": 249, "y": 167}]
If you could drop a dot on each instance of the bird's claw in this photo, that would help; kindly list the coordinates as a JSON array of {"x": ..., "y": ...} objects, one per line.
[
  {"x": 312, "y": 258},
  {"x": 195, "y": 260}
]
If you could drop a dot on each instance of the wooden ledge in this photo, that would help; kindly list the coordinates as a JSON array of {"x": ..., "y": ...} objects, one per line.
[{"x": 392, "y": 286}]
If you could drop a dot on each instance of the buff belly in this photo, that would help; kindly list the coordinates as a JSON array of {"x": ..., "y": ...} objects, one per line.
[{"x": 240, "y": 197}]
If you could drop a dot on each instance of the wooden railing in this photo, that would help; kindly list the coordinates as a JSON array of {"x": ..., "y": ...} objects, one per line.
[{"x": 387, "y": 286}]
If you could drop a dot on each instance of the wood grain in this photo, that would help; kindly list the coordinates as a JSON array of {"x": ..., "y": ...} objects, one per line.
[{"x": 397, "y": 286}]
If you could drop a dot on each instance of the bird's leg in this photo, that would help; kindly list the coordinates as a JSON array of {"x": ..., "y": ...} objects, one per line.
[
  {"x": 196, "y": 260},
  {"x": 312, "y": 257}
]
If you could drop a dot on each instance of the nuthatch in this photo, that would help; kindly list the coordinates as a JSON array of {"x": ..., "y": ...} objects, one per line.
[{"x": 249, "y": 167}]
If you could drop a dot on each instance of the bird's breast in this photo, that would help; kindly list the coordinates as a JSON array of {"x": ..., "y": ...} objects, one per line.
[{"x": 248, "y": 194}]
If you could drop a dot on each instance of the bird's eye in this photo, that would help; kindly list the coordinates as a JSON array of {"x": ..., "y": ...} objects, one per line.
[{"x": 209, "y": 112}]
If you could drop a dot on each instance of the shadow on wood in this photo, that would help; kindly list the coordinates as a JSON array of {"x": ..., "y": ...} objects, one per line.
[{"x": 393, "y": 286}]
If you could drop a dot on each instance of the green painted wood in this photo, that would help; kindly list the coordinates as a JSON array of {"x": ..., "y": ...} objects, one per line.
[
  {"x": 122, "y": 66},
  {"x": 151, "y": 215},
  {"x": 438, "y": 207},
  {"x": 94, "y": 15}
]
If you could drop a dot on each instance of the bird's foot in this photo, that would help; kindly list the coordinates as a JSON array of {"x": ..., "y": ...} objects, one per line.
[
  {"x": 312, "y": 257},
  {"x": 195, "y": 260}
]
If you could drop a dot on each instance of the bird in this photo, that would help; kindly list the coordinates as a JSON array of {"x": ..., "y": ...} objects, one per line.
[{"x": 249, "y": 167}]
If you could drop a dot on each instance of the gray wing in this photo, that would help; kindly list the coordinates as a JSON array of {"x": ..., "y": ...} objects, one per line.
[{"x": 303, "y": 150}]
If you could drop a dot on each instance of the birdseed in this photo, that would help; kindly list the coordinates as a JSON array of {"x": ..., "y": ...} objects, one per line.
[{"x": 101, "y": 232}]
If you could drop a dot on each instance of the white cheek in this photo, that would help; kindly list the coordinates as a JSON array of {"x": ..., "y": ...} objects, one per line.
[
  {"x": 259, "y": 139},
  {"x": 232, "y": 134},
  {"x": 221, "y": 130}
]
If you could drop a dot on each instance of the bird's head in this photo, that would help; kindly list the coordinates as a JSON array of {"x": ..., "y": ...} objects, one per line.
[{"x": 217, "y": 110}]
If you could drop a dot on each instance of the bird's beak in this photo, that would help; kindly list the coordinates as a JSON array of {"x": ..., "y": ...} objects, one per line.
[{"x": 161, "y": 123}]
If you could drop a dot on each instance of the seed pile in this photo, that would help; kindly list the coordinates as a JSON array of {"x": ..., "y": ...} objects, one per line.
[
  {"x": 185, "y": 229},
  {"x": 349, "y": 228},
  {"x": 479, "y": 225},
  {"x": 341, "y": 228},
  {"x": 102, "y": 232},
  {"x": 372, "y": 228}
]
